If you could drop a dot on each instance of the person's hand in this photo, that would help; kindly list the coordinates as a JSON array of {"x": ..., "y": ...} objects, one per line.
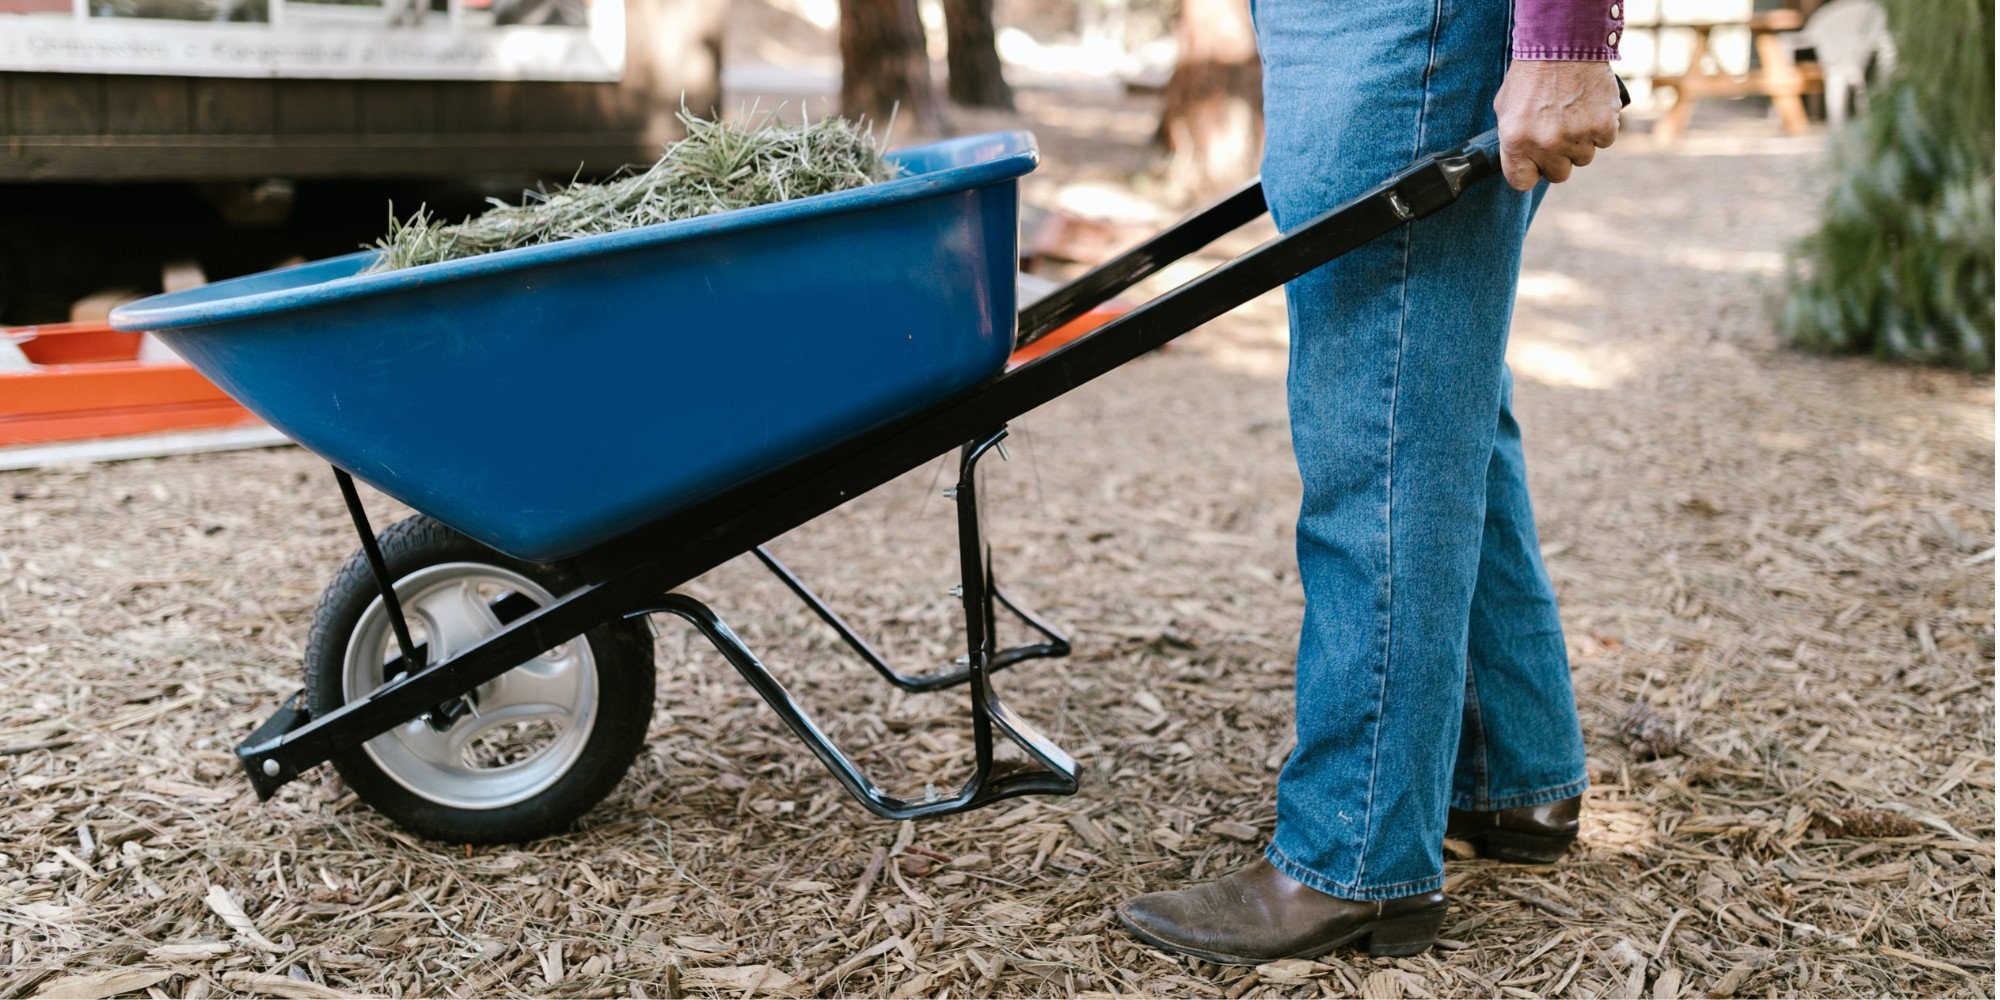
[{"x": 1554, "y": 115}]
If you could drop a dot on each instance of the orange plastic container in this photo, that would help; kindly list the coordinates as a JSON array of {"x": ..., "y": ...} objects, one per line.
[
  {"x": 87, "y": 382},
  {"x": 1067, "y": 332}
]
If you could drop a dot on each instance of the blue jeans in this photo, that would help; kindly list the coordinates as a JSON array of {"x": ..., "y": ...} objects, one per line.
[{"x": 1431, "y": 667}]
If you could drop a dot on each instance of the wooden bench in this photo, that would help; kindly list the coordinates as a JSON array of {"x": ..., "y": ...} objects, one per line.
[{"x": 1778, "y": 76}]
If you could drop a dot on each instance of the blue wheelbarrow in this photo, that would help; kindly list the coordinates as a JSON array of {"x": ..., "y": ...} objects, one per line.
[{"x": 586, "y": 426}]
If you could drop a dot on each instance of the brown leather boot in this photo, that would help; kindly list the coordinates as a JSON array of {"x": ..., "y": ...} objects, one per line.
[
  {"x": 1260, "y": 915},
  {"x": 1530, "y": 835}
]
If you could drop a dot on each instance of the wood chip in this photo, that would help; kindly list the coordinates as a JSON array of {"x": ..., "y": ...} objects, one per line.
[
  {"x": 867, "y": 882},
  {"x": 1734, "y": 979},
  {"x": 224, "y": 903},
  {"x": 1667, "y": 986},
  {"x": 91, "y": 986},
  {"x": 1382, "y": 984},
  {"x": 194, "y": 951},
  {"x": 284, "y": 987},
  {"x": 1291, "y": 970},
  {"x": 1539, "y": 902},
  {"x": 857, "y": 960},
  {"x": 760, "y": 980},
  {"x": 1235, "y": 830},
  {"x": 1928, "y": 963}
]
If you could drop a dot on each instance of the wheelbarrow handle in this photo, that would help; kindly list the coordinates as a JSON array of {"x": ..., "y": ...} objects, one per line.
[
  {"x": 1428, "y": 185},
  {"x": 1411, "y": 194},
  {"x": 1424, "y": 187}
]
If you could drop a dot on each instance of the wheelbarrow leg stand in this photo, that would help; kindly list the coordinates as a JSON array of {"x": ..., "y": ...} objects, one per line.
[
  {"x": 980, "y": 597},
  {"x": 1048, "y": 770}
]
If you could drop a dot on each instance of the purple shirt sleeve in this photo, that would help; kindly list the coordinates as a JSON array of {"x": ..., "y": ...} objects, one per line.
[{"x": 1582, "y": 30}]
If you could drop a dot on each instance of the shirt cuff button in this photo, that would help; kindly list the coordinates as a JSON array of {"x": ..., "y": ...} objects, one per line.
[
  {"x": 1617, "y": 11},
  {"x": 1613, "y": 40}
]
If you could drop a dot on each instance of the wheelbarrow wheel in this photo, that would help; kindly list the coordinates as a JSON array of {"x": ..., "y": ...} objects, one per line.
[{"x": 526, "y": 754}]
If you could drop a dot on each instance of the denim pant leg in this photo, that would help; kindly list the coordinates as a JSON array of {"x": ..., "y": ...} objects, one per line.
[
  {"x": 1521, "y": 744},
  {"x": 1395, "y": 382}
]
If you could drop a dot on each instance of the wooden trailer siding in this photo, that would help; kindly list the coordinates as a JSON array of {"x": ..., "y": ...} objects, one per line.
[{"x": 86, "y": 127}]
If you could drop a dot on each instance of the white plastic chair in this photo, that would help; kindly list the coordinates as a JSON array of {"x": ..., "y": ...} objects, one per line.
[{"x": 1846, "y": 36}]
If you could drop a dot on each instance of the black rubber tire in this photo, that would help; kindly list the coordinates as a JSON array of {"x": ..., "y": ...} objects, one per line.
[{"x": 623, "y": 652}]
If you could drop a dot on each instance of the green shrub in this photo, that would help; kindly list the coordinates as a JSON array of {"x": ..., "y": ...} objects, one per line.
[{"x": 1902, "y": 264}]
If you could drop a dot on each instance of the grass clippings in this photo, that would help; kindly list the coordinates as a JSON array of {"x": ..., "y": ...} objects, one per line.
[{"x": 721, "y": 166}]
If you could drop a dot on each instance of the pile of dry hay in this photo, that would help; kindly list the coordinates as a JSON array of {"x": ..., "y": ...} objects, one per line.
[{"x": 720, "y": 166}]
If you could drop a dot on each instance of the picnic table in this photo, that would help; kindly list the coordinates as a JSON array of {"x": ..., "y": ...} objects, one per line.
[{"x": 1777, "y": 76}]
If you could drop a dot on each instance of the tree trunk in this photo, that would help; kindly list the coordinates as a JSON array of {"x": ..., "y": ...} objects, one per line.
[
  {"x": 972, "y": 58},
  {"x": 884, "y": 68},
  {"x": 1214, "y": 120}
]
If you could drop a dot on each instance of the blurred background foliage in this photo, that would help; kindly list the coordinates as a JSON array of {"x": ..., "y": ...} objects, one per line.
[{"x": 1902, "y": 264}]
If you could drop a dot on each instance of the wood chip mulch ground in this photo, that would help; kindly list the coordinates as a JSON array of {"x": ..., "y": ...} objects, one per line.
[{"x": 1777, "y": 579}]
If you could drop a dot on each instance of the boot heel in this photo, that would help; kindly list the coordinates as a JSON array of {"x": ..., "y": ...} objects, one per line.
[
  {"x": 1408, "y": 934},
  {"x": 1522, "y": 847}
]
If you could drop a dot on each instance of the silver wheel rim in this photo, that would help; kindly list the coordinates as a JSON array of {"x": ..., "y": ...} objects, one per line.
[{"x": 526, "y": 728}]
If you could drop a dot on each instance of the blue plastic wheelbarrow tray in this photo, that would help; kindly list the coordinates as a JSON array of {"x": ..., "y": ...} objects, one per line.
[
  {"x": 609, "y": 417},
  {"x": 545, "y": 399}
]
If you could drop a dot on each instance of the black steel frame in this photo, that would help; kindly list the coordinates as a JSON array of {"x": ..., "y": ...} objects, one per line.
[{"x": 635, "y": 575}]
